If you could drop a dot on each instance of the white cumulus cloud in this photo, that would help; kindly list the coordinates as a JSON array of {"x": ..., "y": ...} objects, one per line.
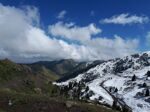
[
  {"x": 73, "y": 32},
  {"x": 96, "y": 48},
  {"x": 125, "y": 18},
  {"x": 22, "y": 39}
]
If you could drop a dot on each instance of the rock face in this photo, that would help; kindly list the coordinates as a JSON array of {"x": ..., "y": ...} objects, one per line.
[{"x": 124, "y": 82}]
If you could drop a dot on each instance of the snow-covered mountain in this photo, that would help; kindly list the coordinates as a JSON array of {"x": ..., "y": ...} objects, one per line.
[{"x": 122, "y": 82}]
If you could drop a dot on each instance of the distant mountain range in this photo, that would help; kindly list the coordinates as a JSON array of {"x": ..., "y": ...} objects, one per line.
[{"x": 60, "y": 67}]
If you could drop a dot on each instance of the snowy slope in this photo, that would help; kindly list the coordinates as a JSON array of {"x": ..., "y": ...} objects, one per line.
[{"x": 117, "y": 73}]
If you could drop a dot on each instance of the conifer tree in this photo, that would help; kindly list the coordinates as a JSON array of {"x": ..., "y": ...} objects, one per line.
[
  {"x": 133, "y": 78},
  {"x": 116, "y": 90},
  {"x": 87, "y": 89},
  {"x": 147, "y": 92},
  {"x": 144, "y": 84},
  {"x": 148, "y": 74}
]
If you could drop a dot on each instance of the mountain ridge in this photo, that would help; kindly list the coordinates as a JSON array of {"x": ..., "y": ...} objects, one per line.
[
  {"x": 122, "y": 77},
  {"x": 23, "y": 89}
]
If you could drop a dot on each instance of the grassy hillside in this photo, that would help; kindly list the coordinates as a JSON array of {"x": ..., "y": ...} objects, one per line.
[
  {"x": 30, "y": 89},
  {"x": 22, "y": 78},
  {"x": 38, "y": 69},
  {"x": 9, "y": 70},
  {"x": 18, "y": 102}
]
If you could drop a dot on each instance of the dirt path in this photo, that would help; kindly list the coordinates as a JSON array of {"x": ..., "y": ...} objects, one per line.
[{"x": 117, "y": 100}]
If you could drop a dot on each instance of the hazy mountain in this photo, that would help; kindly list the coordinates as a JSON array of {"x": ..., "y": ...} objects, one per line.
[{"x": 59, "y": 67}]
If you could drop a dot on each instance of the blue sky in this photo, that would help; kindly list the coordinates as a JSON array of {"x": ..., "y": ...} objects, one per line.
[
  {"x": 85, "y": 12},
  {"x": 79, "y": 11}
]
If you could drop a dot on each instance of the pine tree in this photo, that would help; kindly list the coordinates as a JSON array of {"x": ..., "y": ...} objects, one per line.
[
  {"x": 100, "y": 98},
  {"x": 75, "y": 84},
  {"x": 114, "y": 104},
  {"x": 144, "y": 84},
  {"x": 110, "y": 89},
  {"x": 133, "y": 78},
  {"x": 148, "y": 74},
  {"x": 116, "y": 90},
  {"x": 87, "y": 97},
  {"x": 70, "y": 85},
  {"x": 78, "y": 91},
  {"x": 87, "y": 89},
  {"x": 147, "y": 92}
]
